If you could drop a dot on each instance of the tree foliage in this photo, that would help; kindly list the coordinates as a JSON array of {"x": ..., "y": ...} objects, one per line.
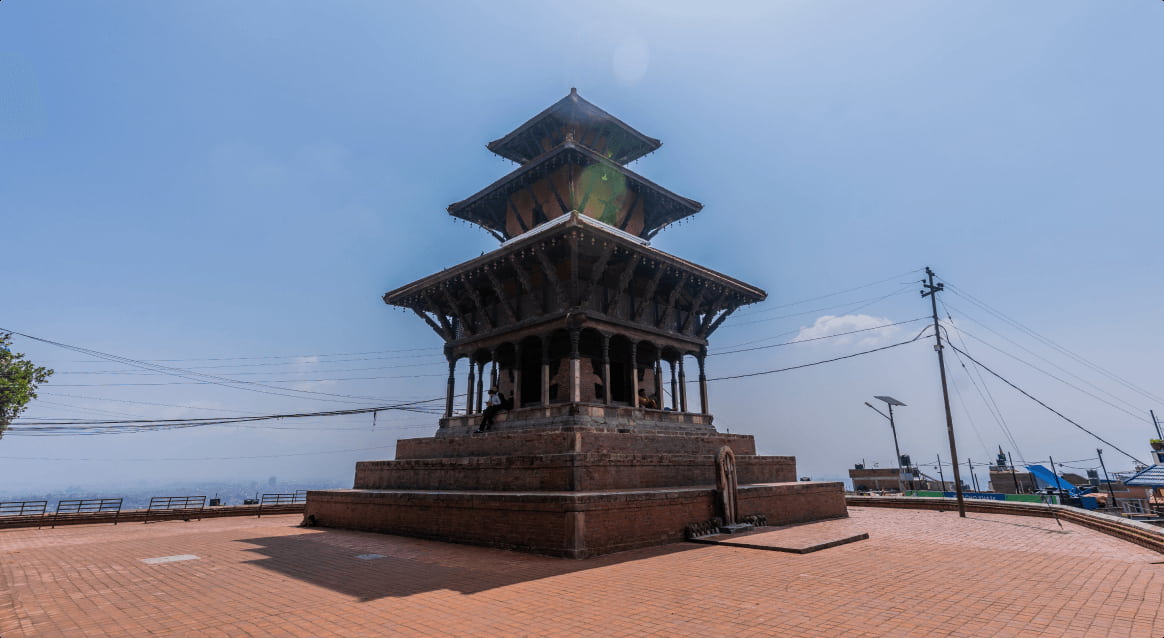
[{"x": 18, "y": 381}]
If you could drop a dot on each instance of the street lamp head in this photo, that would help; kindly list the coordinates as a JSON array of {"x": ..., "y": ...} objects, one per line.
[{"x": 889, "y": 400}]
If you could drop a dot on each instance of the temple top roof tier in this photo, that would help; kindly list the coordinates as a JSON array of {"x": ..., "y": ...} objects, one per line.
[{"x": 573, "y": 118}]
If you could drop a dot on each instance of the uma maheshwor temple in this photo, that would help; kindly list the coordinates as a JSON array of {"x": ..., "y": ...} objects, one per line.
[{"x": 570, "y": 318}]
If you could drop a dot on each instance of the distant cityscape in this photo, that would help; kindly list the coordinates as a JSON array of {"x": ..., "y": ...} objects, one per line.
[{"x": 135, "y": 497}]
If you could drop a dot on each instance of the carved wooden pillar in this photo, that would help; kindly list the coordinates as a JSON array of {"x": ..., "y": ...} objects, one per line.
[
  {"x": 517, "y": 375},
  {"x": 545, "y": 371},
  {"x": 658, "y": 380},
  {"x": 634, "y": 367},
  {"x": 606, "y": 369},
  {"x": 450, "y": 385},
  {"x": 470, "y": 386},
  {"x": 682, "y": 385},
  {"x": 674, "y": 389},
  {"x": 480, "y": 384},
  {"x": 575, "y": 366},
  {"x": 701, "y": 358}
]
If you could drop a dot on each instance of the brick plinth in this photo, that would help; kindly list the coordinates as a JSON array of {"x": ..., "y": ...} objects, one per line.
[
  {"x": 570, "y": 472},
  {"x": 571, "y": 489},
  {"x": 567, "y": 524},
  {"x": 573, "y": 440}
]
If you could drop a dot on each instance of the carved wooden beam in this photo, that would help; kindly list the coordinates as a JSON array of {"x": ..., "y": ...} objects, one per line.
[
  {"x": 516, "y": 214},
  {"x": 623, "y": 281},
  {"x": 551, "y": 274},
  {"x": 649, "y": 293},
  {"x": 445, "y": 323},
  {"x": 705, "y": 321},
  {"x": 469, "y": 328},
  {"x": 706, "y": 332},
  {"x": 573, "y": 268},
  {"x": 476, "y": 299},
  {"x": 596, "y": 274},
  {"x": 444, "y": 334},
  {"x": 665, "y": 321},
  {"x": 566, "y": 208},
  {"x": 523, "y": 277},
  {"x": 538, "y": 210},
  {"x": 630, "y": 209},
  {"x": 500, "y": 291},
  {"x": 696, "y": 305}
]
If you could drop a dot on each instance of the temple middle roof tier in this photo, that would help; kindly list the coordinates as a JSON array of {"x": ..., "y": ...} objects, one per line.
[
  {"x": 575, "y": 265},
  {"x": 575, "y": 119},
  {"x": 572, "y": 177}
]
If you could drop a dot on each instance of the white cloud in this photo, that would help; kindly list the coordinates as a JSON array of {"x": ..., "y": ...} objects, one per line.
[{"x": 832, "y": 325}]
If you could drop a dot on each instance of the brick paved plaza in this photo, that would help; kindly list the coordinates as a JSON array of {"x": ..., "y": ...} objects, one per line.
[{"x": 920, "y": 573}]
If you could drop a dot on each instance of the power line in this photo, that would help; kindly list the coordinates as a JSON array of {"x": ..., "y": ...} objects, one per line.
[
  {"x": 1056, "y": 412},
  {"x": 236, "y": 374},
  {"x": 204, "y": 458},
  {"x": 983, "y": 390},
  {"x": 264, "y": 383},
  {"x": 839, "y": 334},
  {"x": 1134, "y": 415},
  {"x": 289, "y": 356},
  {"x": 1048, "y": 361},
  {"x": 863, "y": 303},
  {"x": 70, "y": 427},
  {"x": 817, "y": 363},
  {"x": 1061, "y": 349},
  {"x": 197, "y": 376},
  {"x": 760, "y": 310}
]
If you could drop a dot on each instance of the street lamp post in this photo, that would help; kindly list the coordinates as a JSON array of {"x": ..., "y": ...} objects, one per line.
[{"x": 890, "y": 402}]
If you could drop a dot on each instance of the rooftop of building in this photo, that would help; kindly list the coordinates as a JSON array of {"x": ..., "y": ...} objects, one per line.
[{"x": 920, "y": 573}]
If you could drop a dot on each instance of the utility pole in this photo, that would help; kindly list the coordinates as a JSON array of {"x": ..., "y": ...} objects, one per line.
[
  {"x": 1156, "y": 423},
  {"x": 1013, "y": 475},
  {"x": 1058, "y": 484},
  {"x": 941, "y": 477},
  {"x": 1110, "y": 493},
  {"x": 931, "y": 291}
]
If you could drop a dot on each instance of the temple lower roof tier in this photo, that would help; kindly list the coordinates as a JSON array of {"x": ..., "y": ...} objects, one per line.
[{"x": 575, "y": 266}]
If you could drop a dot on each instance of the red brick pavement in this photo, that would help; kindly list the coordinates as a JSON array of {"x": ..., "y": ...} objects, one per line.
[{"x": 921, "y": 573}]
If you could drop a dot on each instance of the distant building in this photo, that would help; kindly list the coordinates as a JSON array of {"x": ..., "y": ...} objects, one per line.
[{"x": 881, "y": 479}]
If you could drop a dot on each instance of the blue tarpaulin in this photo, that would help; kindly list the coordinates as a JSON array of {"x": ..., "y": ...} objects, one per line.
[{"x": 1047, "y": 478}]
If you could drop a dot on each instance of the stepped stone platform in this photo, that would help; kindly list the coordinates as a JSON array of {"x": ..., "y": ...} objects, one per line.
[{"x": 577, "y": 489}]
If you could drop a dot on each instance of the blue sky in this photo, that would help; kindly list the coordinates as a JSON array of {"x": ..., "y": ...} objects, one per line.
[{"x": 196, "y": 181}]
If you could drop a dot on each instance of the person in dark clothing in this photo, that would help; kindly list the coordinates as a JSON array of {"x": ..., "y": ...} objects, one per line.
[
  {"x": 646, "y": 401},
  {"x": 494, "y": 404}
]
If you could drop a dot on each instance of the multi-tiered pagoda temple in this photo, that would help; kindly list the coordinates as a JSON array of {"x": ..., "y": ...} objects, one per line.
[
  {"x": 572, "y": 318},
  {"x": 575, "y": 312}
]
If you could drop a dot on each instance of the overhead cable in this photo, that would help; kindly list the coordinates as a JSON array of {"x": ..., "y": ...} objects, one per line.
[{"x": 1056, "y": 412}]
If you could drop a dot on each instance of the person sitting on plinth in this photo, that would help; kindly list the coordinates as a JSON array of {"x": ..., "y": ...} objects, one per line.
[
  {"x": 646, "y": 401},
  {"x": 493, "y": 406}
]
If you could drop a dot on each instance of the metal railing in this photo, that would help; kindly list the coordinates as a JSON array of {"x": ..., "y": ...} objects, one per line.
[
  {"x": 25, "y": 509},
  {"x": 78, "y": 507},
  {"x": 289, "y": 498},
  {"x": 171, "y": 507}
]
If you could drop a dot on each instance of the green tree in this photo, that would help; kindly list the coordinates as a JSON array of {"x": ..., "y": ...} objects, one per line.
[{"x": 18, "y": 380}]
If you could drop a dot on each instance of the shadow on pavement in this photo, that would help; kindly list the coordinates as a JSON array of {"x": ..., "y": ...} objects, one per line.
[{"x": 406, "y": 566}]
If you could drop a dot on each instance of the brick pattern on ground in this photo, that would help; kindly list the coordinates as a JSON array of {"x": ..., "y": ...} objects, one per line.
[{"x": 920, "y": 573}]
